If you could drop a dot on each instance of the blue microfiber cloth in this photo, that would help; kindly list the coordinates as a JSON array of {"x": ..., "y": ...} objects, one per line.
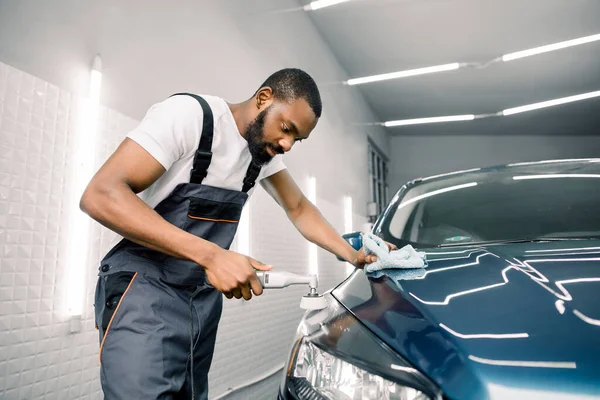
[{"x": 405, "y": 263}]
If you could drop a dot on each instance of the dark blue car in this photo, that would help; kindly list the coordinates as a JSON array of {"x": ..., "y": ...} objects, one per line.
[{"x": 508, "y": 307}]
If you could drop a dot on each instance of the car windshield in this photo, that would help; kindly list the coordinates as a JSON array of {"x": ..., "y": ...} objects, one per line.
[{"x": 527, "y": 201}]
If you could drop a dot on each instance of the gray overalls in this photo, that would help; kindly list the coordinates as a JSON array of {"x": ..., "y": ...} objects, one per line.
[{"x": 153, "y": 310}]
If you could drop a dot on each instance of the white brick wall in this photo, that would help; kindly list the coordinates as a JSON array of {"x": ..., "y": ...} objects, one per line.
[{"x": 38, "y": 357}]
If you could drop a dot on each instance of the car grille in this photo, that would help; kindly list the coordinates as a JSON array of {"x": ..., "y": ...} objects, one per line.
[{"x": 305, "y": 391}]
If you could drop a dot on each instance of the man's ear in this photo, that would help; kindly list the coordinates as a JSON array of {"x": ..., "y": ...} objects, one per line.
[{"x": 264, "y": 97}]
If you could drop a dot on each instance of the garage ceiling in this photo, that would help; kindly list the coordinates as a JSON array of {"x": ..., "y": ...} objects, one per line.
[{"x": 379, "y": 36}]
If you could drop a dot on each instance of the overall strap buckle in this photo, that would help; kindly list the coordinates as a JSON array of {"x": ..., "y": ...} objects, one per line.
[
  {"x": 251, "y": 176},
  {"x": 202, "y": 161}
]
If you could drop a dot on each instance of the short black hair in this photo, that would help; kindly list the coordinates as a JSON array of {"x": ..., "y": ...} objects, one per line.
[{"x": 291, "y": 84}]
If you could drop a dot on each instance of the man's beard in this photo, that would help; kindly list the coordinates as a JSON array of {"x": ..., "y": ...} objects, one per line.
[{"x": 255, "y": 138}]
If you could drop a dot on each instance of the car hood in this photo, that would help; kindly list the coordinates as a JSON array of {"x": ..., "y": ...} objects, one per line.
[{"x": 497, "y": 321}]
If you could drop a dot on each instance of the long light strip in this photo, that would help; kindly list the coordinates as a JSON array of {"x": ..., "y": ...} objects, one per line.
[
  {"x": 431, "y": 120},
  {"x": 313, "y": 256},
  {"x": 83, "y": 169},
  {"x": 348, "y": 225},
  {"x": 457, "y": 65},
  {"x": 550, "y": 103},
  {"x": 316, "y": 5},
  {"x": 508, "y": 111},
  {"x": 348, "y": 214},
  {"x": 403, "y": 74},
  {"x": 243, "y": 232},
  {"x": 550, "y": 47}
]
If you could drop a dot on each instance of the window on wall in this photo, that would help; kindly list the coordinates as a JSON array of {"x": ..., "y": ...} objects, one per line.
[{"x": 378, "y": 172}]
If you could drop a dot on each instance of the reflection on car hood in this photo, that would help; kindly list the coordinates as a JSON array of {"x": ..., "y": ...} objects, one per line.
[{"x": 494, "y": 321}]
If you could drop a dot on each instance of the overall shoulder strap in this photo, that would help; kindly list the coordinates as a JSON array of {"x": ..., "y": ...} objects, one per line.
[{"x": 203, "y": 155}]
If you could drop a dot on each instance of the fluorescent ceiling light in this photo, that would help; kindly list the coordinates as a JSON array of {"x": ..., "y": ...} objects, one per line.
[
  {"x": 508, "y": 111},
  {"x": 430, "y": 120},
  {"x": 456, "y": 65},
  {"x": 316, "y": 5},
  {"x": 551, "y": 103},
  {"x": 403, "y": 74},
  {"x": 550, "y": 47},
  {"x": 554, "y": 176}
]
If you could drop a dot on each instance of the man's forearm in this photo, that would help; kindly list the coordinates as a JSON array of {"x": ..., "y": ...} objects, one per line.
[
  {"x": 314, "y": 227},
  {"x": 120, "y": 210}
]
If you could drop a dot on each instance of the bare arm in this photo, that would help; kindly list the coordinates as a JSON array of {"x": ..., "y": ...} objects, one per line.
[
  {"x": 110, "y": 198},
  {"x": 308, "y": 219}
]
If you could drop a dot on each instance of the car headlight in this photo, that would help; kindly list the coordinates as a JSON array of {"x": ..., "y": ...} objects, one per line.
[
  {"x": 319, "y": 375},
  {"x": 335, "y": 357}
]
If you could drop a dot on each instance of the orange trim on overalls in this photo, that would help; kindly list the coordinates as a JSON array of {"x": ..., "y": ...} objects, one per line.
[
  {"x": 113, "y": 316},
  {"x": 210, "y": 219}
]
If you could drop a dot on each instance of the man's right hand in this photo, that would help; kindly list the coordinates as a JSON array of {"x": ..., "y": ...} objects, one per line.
[
  {"x": 233, "y": 274},
  {"x": 110, "y": 199}
]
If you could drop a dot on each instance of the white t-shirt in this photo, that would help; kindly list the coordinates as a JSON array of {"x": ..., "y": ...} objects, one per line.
[{"x": 171, "y": 132}]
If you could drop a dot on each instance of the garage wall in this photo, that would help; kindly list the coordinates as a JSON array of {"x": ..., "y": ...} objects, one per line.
[
  {"x": 150, "y": 50},
  {"x": 226, "y": 48},
  {"x": 38, "y": 357},
  {"x": 417, "y": 156}
]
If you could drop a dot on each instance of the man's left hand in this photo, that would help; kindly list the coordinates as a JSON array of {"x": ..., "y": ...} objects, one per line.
[{"x": 362, "y": 258}]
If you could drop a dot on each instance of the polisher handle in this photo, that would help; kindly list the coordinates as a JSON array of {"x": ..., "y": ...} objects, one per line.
[{"x": 282, "y": 279}]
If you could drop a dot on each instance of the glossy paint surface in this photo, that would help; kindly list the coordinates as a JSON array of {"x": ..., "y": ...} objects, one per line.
[{"x": 517, "y": 320}]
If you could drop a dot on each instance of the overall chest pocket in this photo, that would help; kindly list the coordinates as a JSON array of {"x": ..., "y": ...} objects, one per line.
[{"x": 214, "y": 211}]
